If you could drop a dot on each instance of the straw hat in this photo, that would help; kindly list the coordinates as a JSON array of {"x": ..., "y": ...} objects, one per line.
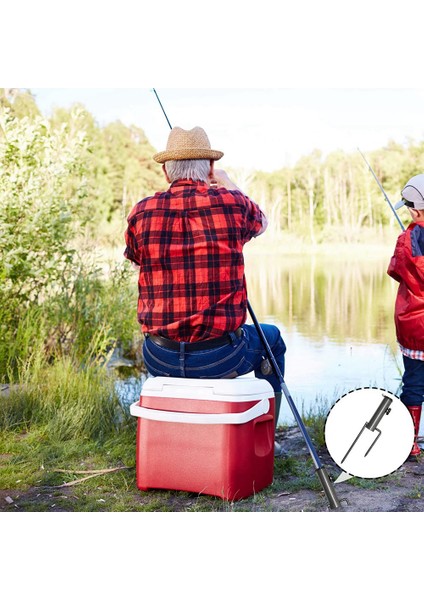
[{"x": 187, "y": 144}]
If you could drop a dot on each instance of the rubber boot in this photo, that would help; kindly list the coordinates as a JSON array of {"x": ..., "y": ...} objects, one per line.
[
  {"x": 278, "y": 450},
  {"x": 415, "y": 412}
]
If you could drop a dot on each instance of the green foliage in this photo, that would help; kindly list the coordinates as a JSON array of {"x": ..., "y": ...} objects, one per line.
[
  {"x": 132, "y": 172},
  {"x": 20, "y": 102},
  {"x": 88, "y": 319},
  {"x": 119, "y": 170},
  {"x": 42, "y": 188},
  {"x": 99, "y": 193},
  {"x": 53, "y": 291}
]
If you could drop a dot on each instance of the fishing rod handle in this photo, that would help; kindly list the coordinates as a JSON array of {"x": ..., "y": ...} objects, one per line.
[{"x": 265, "y": 343}]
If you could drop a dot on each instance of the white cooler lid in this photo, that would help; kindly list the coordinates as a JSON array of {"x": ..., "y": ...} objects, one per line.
[{"x": 241, "y": 389}]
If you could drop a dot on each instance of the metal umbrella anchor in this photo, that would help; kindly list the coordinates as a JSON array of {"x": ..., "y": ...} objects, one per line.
[
  {"x": 320, "y": 470},
  {"x": 371, "y": 425}
]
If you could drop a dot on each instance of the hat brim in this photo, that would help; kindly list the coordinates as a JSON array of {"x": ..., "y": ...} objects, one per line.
[
  {"x": 187, "y": 154},
  {"x": 399, "y": 204}
]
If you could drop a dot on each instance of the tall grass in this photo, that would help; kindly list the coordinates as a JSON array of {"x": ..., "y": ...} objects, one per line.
[
  {"x": 95, "y": 307},
  {"x": 55, "y": 360},
  {"x": 315, "y": 417},
  {"x": 19, "y": 339},
  {"x": 70, "y": 400}
]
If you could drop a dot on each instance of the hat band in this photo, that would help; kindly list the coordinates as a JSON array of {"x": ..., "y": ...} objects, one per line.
[{"x": 188, "y": 154}]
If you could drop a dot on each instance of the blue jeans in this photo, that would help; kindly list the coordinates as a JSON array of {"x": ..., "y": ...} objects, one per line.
[
  {"x": 243, "y": 355},
  {"x": 413, "y": 382}
]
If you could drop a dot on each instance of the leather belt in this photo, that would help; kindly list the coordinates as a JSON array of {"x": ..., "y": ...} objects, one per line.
[{"x": 193, "y": 346}]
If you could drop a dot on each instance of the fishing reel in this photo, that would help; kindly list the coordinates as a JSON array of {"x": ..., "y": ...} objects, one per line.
[{"x": 266, "y": 367}]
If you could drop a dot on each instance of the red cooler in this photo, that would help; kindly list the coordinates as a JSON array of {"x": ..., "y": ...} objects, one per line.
[{"x": 209, "y": 436}]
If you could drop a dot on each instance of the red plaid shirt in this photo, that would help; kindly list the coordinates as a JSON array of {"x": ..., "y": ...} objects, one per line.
[{"x": 188, "y": 242}]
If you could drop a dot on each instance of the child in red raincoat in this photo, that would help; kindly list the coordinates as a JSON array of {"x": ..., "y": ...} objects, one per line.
[{"x": 407, "y": 267}]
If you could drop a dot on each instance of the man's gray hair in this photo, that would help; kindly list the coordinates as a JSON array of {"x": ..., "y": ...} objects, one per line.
[{"x": 198, "y": 170}]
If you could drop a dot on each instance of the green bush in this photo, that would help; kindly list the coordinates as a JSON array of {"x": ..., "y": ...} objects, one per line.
[
  {"x": 42, "y": 188},
  {"x": 51, "y": 288}
]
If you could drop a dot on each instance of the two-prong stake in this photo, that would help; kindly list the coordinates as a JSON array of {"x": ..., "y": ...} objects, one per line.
[{"x": 371, "y": 425}]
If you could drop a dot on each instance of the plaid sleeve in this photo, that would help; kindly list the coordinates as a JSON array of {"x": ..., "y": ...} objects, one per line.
[
  {"x": 131, "y": 251},
  {"x": 256, "y": 221}
]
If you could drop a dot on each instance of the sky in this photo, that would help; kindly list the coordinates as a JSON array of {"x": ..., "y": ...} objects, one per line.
[{"x": 258, "y": 128}]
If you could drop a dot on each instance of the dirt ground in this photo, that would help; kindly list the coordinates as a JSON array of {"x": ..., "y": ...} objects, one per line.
[{"x": 401, "y": 491}]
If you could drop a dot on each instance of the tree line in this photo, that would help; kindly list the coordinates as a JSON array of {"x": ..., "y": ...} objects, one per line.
[
  {"x": 320, "y": 199},
  {"x": 336, "y": 198},
  {"x": 116, "y": 159}
]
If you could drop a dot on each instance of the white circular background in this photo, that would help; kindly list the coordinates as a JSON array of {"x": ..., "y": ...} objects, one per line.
[{"x": 346, "y": 419}]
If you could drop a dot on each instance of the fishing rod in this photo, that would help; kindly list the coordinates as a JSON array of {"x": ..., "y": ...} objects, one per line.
[
  {"x": 384, "y": 193},
  {"x": 320, "y": 470},
  {"x": 163, "y": 110}
]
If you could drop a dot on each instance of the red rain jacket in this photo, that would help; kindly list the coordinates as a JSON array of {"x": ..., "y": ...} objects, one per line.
[{"x": 407, "y": 267}]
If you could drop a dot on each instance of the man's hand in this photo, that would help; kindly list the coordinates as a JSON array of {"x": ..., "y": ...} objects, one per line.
[{"x": 221, "y": 179}]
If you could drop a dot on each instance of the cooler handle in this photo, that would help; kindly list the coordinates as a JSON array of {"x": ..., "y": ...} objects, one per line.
[{"x": 261, "y": 408}]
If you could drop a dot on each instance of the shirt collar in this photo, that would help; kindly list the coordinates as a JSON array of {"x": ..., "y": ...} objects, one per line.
[
  {"x": 183, "y": 183},
  {"x": 414, "y": 223}
]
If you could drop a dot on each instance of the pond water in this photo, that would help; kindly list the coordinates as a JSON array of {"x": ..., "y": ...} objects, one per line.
[{"x": 336, "y": 316}]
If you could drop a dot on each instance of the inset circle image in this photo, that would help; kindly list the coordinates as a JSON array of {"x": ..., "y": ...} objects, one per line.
[{"x": 369, "y": 432}]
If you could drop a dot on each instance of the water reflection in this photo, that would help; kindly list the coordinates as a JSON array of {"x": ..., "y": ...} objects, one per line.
[
  {"x": 325, "y": 297},
  {"x": 336, "y": 316}
]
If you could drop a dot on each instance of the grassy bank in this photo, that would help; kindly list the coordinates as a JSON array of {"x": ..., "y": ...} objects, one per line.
[
  {"x": 68, "y": 445},
  {"x": 80, "y": 476},
  {"x": 49, "y": 465},
  {"x": 41, "y": 473}
]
